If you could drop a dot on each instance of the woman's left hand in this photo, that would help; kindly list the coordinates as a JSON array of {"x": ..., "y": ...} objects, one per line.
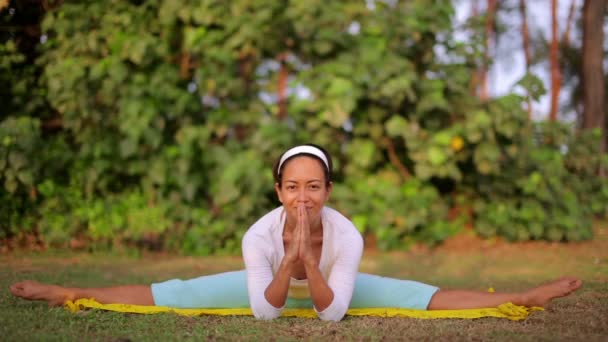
[{"x": 305, "y": 250}]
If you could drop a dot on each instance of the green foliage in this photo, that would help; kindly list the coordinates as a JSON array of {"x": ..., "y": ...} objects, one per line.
[
  {"x": 398, "y": 214},
  {"x": 67, "y": 213},
  {"x": 19, "y": 141},
  {"x": 20, "y": 138},
  {"x": 155, "y": 123},
  {"x": 537, "y": 192}
]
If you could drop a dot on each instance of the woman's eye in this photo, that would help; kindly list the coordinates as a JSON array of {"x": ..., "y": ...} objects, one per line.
[
  {"x": 315, "y": 187},
  {"x": 291, "y": 187}
]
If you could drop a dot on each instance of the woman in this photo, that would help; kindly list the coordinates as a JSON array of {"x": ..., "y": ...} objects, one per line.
[{"x": 302, "y": 254}]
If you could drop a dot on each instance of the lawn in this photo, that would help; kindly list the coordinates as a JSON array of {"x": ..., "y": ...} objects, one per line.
[{"x": 463, "y": 262}]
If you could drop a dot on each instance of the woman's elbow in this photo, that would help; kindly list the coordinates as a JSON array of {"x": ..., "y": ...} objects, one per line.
[
  {"x": 264, "y": 313},
  {"x": 265, "y": 316},
  {"x": 335, "y": 312}
]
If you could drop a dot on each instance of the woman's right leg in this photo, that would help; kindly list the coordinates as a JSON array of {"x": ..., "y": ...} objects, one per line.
[
  {"x": 223, "y": 290},
  {"x": 57, "y": 295}
]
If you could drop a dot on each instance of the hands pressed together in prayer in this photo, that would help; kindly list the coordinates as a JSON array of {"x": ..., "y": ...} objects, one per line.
[
  {"x": 300, "y": 249},
  {"x": 300, "y": 262}
]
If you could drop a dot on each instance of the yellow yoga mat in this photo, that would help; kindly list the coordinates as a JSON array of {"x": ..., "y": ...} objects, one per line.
[{"x": 508, "y": 311}]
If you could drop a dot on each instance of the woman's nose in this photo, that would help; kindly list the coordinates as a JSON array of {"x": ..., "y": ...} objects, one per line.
[{"x": 302, "y": 195}]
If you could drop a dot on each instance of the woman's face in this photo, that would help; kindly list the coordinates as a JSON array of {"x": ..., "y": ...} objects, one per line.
[{"x": 303, "y": 182}]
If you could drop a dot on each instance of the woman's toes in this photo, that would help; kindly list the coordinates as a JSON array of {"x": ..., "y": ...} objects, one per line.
[
  {"x": 17, "y": 288},
  {"x": 575, "y": 284}
]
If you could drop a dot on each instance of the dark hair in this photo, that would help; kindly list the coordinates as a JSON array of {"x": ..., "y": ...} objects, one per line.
[{"x": 277, "y": 174}]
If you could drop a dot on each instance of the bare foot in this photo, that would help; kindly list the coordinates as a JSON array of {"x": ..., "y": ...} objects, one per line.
[
  {"x": 544, "y": 293},
  {"x": 32, "y": 290}
]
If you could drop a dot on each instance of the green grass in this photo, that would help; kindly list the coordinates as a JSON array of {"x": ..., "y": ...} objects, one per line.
[{"x": 462, "y": 263}]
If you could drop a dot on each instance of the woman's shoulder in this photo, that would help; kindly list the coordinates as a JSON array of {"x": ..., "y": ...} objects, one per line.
[
  {"x": 335, "y": 216},
  {"x": 339, "y": 222},
  {"x": 342, "y": 233}
]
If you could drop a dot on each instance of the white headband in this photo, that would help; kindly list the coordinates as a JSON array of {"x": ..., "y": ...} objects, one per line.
[{"x": 303, "y": 149}]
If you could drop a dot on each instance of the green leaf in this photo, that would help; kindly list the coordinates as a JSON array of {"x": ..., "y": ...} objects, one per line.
[
  {"x": 474, "y": 136},
  {"x": 486, "y": 156},
  {"x": 360, "y": 221},
  {"x": 7, "y": 140},
  {"x": 17, "y": 160},
  {"x": 339, "y": 87},
  {"x": 482, "y": 120},
  {"x": 554, "y": 234},
  {"x": 193, "y": 37},
  {"x": 128, "y": 147},
  {"x": 10, "y": 184},
  {"x": 533, "y": 85},
  {"x": 484, "y": 167},
  {"x": 443, "y": 138},
  {"x": 423, "y": 171},
  {"x": 436, "y": 156},
  {"x": 322, "y": 47},
  {"x": 395, "y": 126},
  {"x": 536, "y": 230},
  {"x": 362, "y": 152},
  {"x": 411, "y": 188},
  {"x": 337, "y": 115},
  {"x": 25, "y": 177}
]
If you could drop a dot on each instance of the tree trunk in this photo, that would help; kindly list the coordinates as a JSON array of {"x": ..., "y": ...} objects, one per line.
[
  {"x": 490, "y": 14},
  {"x": 477, "y": 73},
  {"x": 282, "y": 87},
  {"x": 554, "y": 61},
  {"x": 525, "y": 37},
  {"x": 566, "y": 39},
  {"x": 593, "y": 71}
]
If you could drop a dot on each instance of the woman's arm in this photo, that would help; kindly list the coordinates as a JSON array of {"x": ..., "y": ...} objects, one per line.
[
  {"x": 332, "y": 298},
  {"x": 322, "y": 295},
  {"x": 320, "y": 292},
  {"x": 342, "y": 278},
  {"x": 259, "y": 277},
  {"x": 276, "y": 292}
]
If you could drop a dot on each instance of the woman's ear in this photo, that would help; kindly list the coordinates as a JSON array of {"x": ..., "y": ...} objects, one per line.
[{"x": 277, "y": 188}]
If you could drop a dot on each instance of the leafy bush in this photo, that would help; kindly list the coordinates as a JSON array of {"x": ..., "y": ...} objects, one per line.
[
  {"x": 397, "y": 214},
  {"x": 155, "y": 123},
  {"x": 536, "y": 192}
]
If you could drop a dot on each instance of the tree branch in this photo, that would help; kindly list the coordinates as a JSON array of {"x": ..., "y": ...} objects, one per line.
[{"x": 394, "y": 159}]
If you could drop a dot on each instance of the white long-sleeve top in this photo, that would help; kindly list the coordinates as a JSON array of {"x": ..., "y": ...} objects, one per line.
[{"x": 341, "y": 252}]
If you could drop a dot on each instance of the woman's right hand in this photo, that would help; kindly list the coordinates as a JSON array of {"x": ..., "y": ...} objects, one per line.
[{"x": 292, "y": 254}]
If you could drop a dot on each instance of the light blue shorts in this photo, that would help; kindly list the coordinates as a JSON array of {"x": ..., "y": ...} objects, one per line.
[{"x": 229, "y": 290}]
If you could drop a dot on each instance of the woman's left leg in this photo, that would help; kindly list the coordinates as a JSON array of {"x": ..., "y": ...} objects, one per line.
[
  {"x": 372, "y": 291},
  {"x": 538, "y": 296}
]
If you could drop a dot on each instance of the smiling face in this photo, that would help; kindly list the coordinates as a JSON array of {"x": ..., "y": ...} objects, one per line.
[{"x": 303, "y": 182}]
